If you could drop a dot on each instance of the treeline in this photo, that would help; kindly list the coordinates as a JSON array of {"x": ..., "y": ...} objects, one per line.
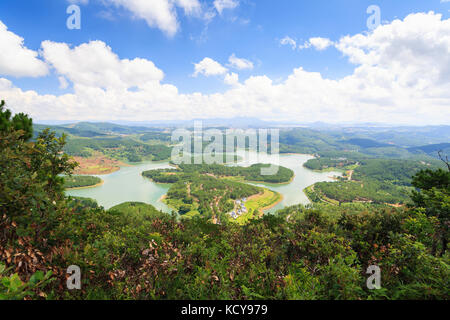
[
  {"x": 155, "y": 136},
  {"x": 329, "y": 163},
  {"x": 398, "y": 172},
  {"x": 80, "y": 181},
  {"x": 118, "y": 148},
  {"x": 374, "y": 180},
  {"x": 252, "y": 173},
  {"x": 137, "y": 208},
  {"x": 162, "y": 175},
  {"x": 365, "y": 191}
]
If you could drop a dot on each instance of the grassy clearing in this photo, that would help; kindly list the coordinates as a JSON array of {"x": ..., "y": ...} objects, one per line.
[{"x": 257, "y": 204}]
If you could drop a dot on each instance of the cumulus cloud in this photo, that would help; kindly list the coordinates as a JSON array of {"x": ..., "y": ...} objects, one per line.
[
  {"x": 159, "y": 13},
  {"x": 208, "y": 67},
  {"x": 320, "y": 43},
  {"x": 416, "y": 49},
  {"x": 17, "y": 60},
  {"x": 232, "y": 79},
  {"x": 239, "y": 63},
  {"x": 94, "y": 64},
  {"x": 401, "y": 76}
]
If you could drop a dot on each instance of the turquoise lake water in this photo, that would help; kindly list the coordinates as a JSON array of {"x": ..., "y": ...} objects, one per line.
[{"x": 127, "y": 184}]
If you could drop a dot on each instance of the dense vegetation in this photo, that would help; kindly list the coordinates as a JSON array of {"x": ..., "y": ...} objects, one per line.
[
  {"x": 80, "y": 181},
  {"x": 393, "y": 143},
  {"x": 137, "y": 208},
  {"x": 206, "y": 190},
  {"x": 329, "y": 163},
  {"x": 372, "y": 180},
  {"x": 363, "y": 191},
  {"x": 398, "y": 172},
  {"x": 135, "y": 252},
  {"x": 163, "y": 175},
  {"x": 19, "y": 123},
  {"x": 198, "y": 194},
  {"x": 119, "y": 148},
  {"x": 252, "y": 173}
]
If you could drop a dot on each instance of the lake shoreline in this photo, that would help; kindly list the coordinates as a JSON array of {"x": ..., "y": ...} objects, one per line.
[
  {"x": 87, "y": 187},
  {"x": 132, "y": 186}
]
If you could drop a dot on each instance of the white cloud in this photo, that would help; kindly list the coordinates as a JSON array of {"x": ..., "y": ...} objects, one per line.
[
  {"x": 239, "y": 63},
  {"x": 416, "y": 50},
  {"x": 232, "y": 79},
  {"x": 191, "y": 7},
  {"x": 209, "y": 67},
  {"x": 17, "y": 60},
  {"x": 401, "y": 75},
  {"x": 159, "y": 13},
  {"x": 320, "y": 43},
  {"x": 94, "y": 64},
  {"x": 288, "y": 41},
  {"x": 221, "y": 5}
]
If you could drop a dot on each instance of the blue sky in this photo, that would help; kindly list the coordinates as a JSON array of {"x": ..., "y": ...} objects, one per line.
[{"x": 249, "y": 29}]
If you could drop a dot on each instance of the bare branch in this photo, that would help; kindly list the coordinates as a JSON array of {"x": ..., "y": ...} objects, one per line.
[{"x": 444, "y": 160}]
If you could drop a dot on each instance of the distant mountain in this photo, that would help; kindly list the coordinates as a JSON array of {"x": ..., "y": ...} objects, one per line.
[
  {"x": 432, "y": 149},
  {"x": 68, "y": 131},
  {"x": 108, "y": 128},
  {"x": 366, "y": 143},
  {"x": 92, "y": 129}
]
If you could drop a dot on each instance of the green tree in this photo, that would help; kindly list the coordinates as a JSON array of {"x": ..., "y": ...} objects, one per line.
[
  {"x": 32, "y": 203},
  {"x": 20, "y": 122},
  {"x": 433, "y": 195}
]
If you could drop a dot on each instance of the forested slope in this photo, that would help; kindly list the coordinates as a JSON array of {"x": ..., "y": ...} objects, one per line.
[{"x": 135, "y": 252}]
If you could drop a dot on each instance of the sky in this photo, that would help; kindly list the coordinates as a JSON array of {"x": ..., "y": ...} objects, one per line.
[{"x": 334, "y": 61}]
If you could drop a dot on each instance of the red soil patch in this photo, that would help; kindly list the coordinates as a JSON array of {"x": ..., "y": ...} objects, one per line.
[{"x": 97, "y": 165}]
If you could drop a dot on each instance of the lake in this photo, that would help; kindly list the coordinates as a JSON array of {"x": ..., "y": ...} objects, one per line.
[
  {"x": 293, "y": 192},
  {"x": 127, "y": 184}
]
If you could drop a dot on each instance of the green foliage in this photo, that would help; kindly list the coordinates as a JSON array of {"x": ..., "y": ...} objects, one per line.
[
  {"x": 32, "y": 205},
  {"x": 207, "y": 189},
  {"x": 162, "y": 175},
  {"x": 136, "y": 208},
  {"x": 206, "y": 195},
  {"x": 433, "y": 196},
  {"x": 398, "y": 172},
  {"x": 155, "y": 136},
  {"x": 373, "y": 180},
  {"x": 30, "y": 182},
  {"x": 364, "y": 191},
  {"x": 80, "y": 181},
  {"x": 79, "y": 203},
  {"x": 117, "y": 147},
  {"x": 20, "y": 122},
  {"x": 13, "y": 288},
  {"x": 329, "y": 163},
  {"x": 252, "y": 173}
]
